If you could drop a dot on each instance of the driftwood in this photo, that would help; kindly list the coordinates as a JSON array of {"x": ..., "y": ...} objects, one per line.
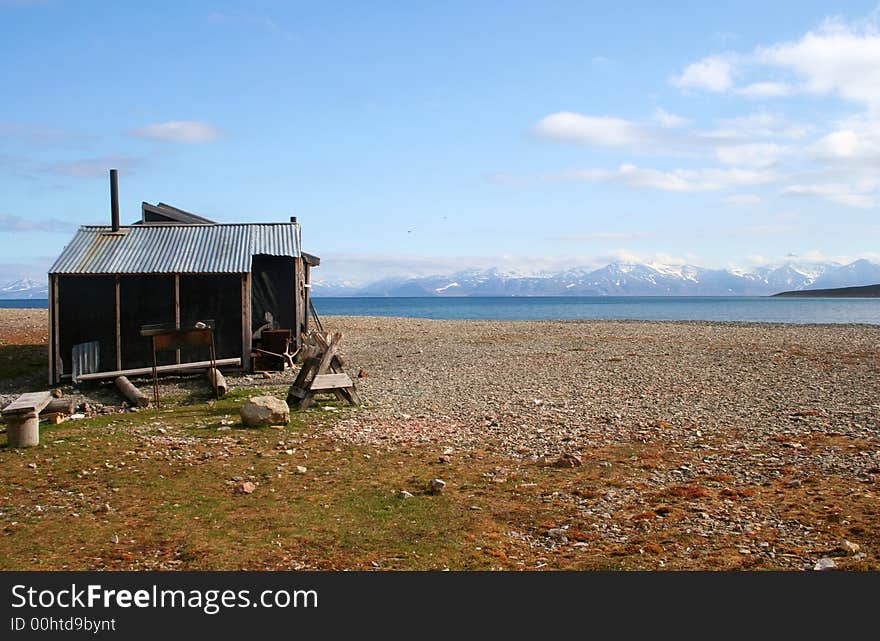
[
  {"x": 132, "y": 393},
  {"x": 59, "y": 406},
  {"x": 217, "y": 380}
]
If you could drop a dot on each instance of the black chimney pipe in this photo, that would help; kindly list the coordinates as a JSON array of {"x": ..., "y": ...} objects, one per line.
[{"x": 114, "y": 199}]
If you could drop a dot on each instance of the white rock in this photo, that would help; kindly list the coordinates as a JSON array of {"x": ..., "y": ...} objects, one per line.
[
  {"x": 263, "y": 411},
  {"x": 437, "y": 485},
  {"x": 403, "y": 494},
  {"x": 825, "y": 564}
]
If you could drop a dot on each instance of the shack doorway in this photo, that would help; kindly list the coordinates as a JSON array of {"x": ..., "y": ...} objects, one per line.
[{"x": 273, "y": 300}]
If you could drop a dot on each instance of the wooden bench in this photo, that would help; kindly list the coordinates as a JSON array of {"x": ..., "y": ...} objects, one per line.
[{"x": 22, "y": 418}]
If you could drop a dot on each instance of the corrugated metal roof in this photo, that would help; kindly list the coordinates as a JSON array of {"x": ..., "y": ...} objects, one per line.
[{"x": 169, "y": 249}]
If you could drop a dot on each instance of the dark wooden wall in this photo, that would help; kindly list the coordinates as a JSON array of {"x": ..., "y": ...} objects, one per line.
[{"x": 87, "y": 312}]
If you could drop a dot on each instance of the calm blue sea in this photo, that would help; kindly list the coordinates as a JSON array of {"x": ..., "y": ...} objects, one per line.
[
  {"x": 708, "y": 308},
  {"x": 29, "y": 303}
]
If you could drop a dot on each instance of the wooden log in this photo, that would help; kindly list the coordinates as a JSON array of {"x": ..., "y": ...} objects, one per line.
[
  {"x": 23, "y": 430},
  {"x": 142, "y": 371},
  {"x": 132, "y": 393},
  {"x": 217, "y": 381},
  {"x": 59, "y": 406}
]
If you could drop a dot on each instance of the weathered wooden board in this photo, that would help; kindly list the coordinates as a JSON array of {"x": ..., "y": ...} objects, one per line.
[
  {"x": 143, "y": 371},
  {"x": 28, "y": 402},
  {"x": 330, "y": 381}
]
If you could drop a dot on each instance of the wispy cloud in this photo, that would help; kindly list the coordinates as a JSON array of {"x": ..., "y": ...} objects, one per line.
[
  {"x": 766, "y": 90},
  {"x": 677, "y": 180},
  {"x": 751, "y": 155},
  {"x": 38, "y": 134},
  {"x": 743, "y": 199},
  {"x": 771, "y": 229},
  {"x": 713, "y": 73},
  {"x": 10, "y": 223},
  {"x": 95, "y": 167},
  {"x": 248, "y": 20},
  {"x": 669, "y": 120},
  {"x": 585, "y": 129},
  {"x": 183, "y": 131},
  {"x": 602, "y": 235},
  {"x": 842, "y": 193}
]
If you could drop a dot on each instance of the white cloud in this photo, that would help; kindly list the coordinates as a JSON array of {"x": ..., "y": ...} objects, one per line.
[
  {"x": 757, "y": 125},
  {"x": 184, "y": 131},
  {"x": 668, "y": 120},
  {"x": 744, "y": 200},
  {"x": 771, "y": 229},
  {"x": 677, "y": 180},
  {"x": 765, "y": 90},
  {"x": 841, "y": 193},
  {"x": 714, "y": 73},
  {"x": 602, "y": 235},
  {"x": 836, "y": 58},
  {"x": 855, "y": 139},
  {"x": 751, "y": 155},
  {"x": 592, "y": 130}
]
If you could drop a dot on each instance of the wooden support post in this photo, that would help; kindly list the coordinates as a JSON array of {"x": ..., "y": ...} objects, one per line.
[
  {"x": 298, "y": 299},
  {"x": 307, "y": 294},
  {"x": 218, "y": 381},
  {"x": 52, "y": 374},
  {"x": 246, "y": 332},
  {"x": 118, "y": 328},
  {"x": 176, "y": 312},
  {"x": 132, "y": 393},
  {"x": 56, "y": 331}
]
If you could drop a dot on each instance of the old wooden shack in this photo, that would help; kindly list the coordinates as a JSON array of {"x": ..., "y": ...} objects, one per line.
[{"x": 175, "y": 268}]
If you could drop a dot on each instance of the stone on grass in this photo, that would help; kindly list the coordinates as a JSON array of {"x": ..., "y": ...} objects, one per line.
[
  {"x": 436, "y": 486},
  {"x": 825, "y": 564},
  {"x": 403, "y": 494},
  {"x": 246, "y": 488},
  {"x": 262, "y": 411},
  {"x": 568, "y": 460}
]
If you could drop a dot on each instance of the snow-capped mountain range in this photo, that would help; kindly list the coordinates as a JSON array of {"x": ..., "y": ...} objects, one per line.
[
  {"x": 24, "y": 288},
  {"x": 615, "y": 279},
  {"x": 621, "y": 279}
]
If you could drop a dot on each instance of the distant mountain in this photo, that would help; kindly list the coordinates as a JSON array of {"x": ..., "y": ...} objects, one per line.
[
  {"x": 861, "y": 272},
  {"x": 24, "y": 288},
  {"x": 868, "y": 291},
  {"x": 622, "y": 279}
]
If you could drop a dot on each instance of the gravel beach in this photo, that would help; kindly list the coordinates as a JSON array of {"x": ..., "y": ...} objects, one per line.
[
  {"x": 554, "y": 386},
  {"x": 758, "y": 440}
]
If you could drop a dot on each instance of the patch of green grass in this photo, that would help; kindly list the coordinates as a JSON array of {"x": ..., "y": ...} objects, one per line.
[{"x": 23, "y": 361}]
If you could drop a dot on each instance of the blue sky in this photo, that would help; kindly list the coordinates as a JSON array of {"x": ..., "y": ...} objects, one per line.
[{"x": 414, "y": 138}]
